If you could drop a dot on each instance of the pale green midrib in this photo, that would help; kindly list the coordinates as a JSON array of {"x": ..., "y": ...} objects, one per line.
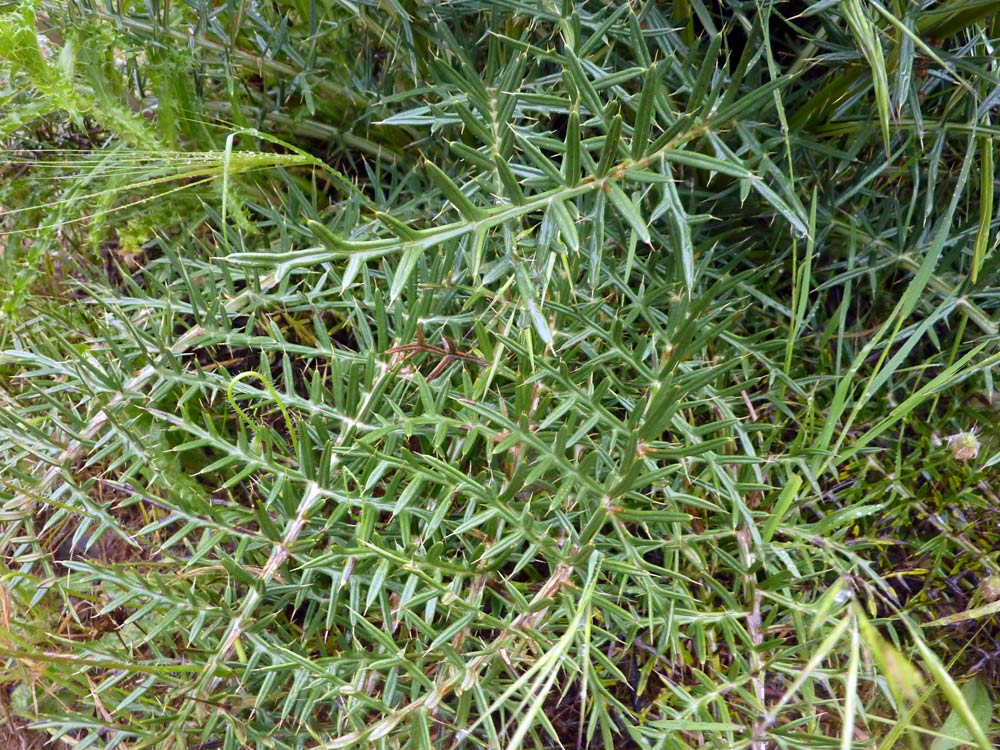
[{"x": 427, "y": 238}]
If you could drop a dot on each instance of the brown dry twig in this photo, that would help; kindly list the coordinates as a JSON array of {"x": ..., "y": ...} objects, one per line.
[{"x": 447, "y": 354}]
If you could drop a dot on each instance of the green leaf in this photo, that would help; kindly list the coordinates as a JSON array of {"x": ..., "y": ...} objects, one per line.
[
  {"x": 788, "y": 496},
  {"x": 571, "y": 158},
  {"x": 971, "y": 718},
  {"x": 453, "y": 193},
  {"x": 904, "y": 679},
  {"x": 404, "y": 269},
  {"x": 706, "y": 71},
  {"x": 792, "y": 215},
  {"x": 529, "y": 303},
  {"x": 707, "y": 163},
  {"x": 680, "y": 224},
  {"x": 400, "y": 229},
  {"x": 866, "y": 35},
  {"x": 751, "y": 102},
  {"x": 981, "y": 247},
  {"x": 609, "y": 150},
  {"x": 628, "y": 211},
  {"x": 329, "y": 238},
  {"x": 646, "y": 111},
  {"x": 566, "y": 224},
  {"x": 955, "y": 731},
  {"x": 509, "y": 183},
  {"x": 543, "y": 163}
]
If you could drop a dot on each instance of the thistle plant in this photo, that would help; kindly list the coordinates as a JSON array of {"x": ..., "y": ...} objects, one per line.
[{"x": 498, "y": 375}]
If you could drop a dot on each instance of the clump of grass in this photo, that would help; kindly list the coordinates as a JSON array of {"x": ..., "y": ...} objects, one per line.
[{"x": 537, "y": 377}]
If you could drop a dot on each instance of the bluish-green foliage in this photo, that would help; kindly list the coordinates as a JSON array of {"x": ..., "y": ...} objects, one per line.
[{"x": 480, "y": 375}]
